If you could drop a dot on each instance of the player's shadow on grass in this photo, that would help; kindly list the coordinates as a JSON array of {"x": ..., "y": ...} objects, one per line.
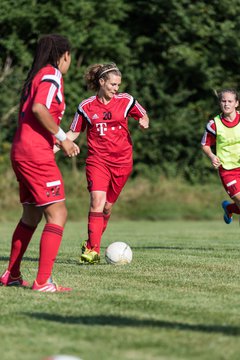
[
  {"x": 170, "y": 248},
  {"x": 181, "y": 248},
  {"x": 4, "y": 258},
  {"x": 69, "y": 261},
  {"x": 111, "y": 320},
  {"x": 25, "y": 258}
]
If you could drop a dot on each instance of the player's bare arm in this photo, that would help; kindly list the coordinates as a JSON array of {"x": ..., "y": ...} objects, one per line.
[
  {"x": 214, "y": 159},
  {"x": 71, "y": 136},
  {"x": 45, "y": 119},
  {"x": 144, "y": 122}
]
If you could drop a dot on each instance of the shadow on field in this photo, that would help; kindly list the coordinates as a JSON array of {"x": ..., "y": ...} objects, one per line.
[
  {"x": 103, "y": 320},
  {"x": 170, "y": 248},
  {"x": 4, "y": 258},
  {"x": 25, "y": 258},
  {"x": 180, "y": 248},
  {"x": 59, "y": 261}
]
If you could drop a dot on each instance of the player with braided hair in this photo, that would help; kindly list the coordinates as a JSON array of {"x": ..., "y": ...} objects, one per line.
[{"x": 41, "y": 185}]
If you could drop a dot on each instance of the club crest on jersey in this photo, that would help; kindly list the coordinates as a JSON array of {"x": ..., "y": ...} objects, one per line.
[{"x": 102, "y": 128}]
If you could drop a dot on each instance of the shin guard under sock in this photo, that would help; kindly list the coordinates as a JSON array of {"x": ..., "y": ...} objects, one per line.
[
  {"x": 20, "y": 240},
  {"x": 49, "y": 245},
  {"x": 95, "y": 228}
]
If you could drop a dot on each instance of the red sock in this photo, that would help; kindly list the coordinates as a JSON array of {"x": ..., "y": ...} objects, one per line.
[
  {"x": 95, "y": 228},
  {"x": 20, "y": 240},
  {"x": 49, "y": 245},
  {"x": 233, "y": 209},
  {"x": 105, "y": 221}
]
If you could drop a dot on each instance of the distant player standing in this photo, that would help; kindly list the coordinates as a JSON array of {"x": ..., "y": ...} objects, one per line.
[
  {"x": 109, "y": 161},
  {"x": 40, "y": 182},
  {"x": 223, "y": 131}
]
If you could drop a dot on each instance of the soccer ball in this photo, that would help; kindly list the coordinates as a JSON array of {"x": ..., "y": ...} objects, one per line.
[{"x": 118, "y": 253}]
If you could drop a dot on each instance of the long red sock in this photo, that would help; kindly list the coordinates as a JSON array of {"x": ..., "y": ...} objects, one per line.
[
  {"x": 233, "y": 209},
  {"x": 49, "y": 245},
  {"x": 95, "y": 228},
  {"x": 105, "y": 221},
  {"x": 20, "y": 240}
]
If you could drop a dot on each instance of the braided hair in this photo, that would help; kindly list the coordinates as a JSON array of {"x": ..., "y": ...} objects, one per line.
[{"x": 50, "y": 49}]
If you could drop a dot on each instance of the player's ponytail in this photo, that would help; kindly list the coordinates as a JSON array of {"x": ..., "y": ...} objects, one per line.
[{"x": 49, "y": 50}]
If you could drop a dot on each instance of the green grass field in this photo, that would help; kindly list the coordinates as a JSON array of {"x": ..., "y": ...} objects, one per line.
[{"x": 178, "y": 299}]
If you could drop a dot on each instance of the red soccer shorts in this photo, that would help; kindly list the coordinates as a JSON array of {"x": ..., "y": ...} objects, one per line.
[
  {"x": 39, "y": 183},
  {"x": 230, "y": 180},
  {"x": 110, "y": 179}
]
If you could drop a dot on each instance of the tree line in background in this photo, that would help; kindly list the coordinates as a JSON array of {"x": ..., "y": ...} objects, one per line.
[{"x": 173, "y": 54}]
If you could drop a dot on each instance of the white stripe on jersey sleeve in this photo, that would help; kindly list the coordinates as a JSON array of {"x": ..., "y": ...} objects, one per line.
[
  {"x": 76, "y": 117},
  {"x": 128, "y": 97},
  {"x": 131, "y": 100},
  {"x": 209, "y": 127},
  {"x": 74, "y": 122},
  {"x": 52, "y": 78},
  {"x": 140, "y": 108},
  {"x": 56, "y": 82},
  {"x": 88, "y": 100},
  {"x": 85, "y": 115},
  {"x": 59, "y": 93},
  {"x": 51, "y": 93},
  {"x": 204, "y": 138},
  {"x": 81, "y": 111}
]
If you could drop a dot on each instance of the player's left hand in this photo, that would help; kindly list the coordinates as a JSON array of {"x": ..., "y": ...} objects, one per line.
[{"x": 144, "y": 122}]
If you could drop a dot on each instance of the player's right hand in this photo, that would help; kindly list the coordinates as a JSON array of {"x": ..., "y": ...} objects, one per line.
[
  {"x": 70, "y": 148},
  {"x": 215, "y": 161}
]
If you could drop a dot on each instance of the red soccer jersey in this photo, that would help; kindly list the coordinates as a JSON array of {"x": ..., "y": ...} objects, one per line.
[
  {"x": 108, "y": 136},
  {"x": 32, "y": 142},
  {"x": 209, "y": 136}
]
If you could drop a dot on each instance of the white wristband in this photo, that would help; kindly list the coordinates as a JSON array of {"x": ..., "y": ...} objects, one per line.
[{"x": 60, "y": 135}]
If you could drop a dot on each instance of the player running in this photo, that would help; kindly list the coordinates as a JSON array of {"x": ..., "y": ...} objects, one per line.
[
  {"x": 224, "y": 132},
  {"x": 41, "y": 185},
  {"x": 110, "y": 156}
]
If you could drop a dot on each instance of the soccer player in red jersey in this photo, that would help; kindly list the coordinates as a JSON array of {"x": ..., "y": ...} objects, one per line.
[
  {"x": 41, "y": 185},
  {"x": 223, "y": 132},
  {"x": 110, "y": 159}
]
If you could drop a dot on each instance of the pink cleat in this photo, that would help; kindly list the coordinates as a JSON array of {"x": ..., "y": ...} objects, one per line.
[
  {"x": 49, "y": 286},
  {"x": 7, "y": 280}
]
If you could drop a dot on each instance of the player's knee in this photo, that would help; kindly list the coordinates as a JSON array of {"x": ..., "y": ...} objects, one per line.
[
  {"x": 37, "y": 219},
  {"x": 31, "y": 218},
  {"x": 62, "y": 216},
  {"x": 64, "y": 213},
  {"x": 56, "y": 214},
  {"x": 97, "y": 204}
]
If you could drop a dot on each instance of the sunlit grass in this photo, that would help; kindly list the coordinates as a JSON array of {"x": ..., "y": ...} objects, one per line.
[{"x": 178, "y": 299}]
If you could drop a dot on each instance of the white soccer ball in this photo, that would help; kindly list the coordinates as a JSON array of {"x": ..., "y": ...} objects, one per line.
[{"x": 118, "y": 253}]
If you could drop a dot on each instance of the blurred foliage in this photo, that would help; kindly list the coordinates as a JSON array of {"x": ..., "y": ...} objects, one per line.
[{"x": 173, "y": 55}]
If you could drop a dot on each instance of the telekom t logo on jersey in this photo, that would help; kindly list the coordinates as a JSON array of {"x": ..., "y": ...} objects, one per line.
[{"x": 102, "y": 128}]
